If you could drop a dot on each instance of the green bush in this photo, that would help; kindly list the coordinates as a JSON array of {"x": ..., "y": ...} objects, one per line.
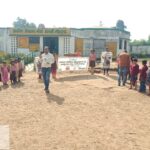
[{"x": 27, "y": 58}]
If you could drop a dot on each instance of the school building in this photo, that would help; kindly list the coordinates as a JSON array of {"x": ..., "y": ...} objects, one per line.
[
  {"x": 100, "y": 38},
  {"x": 64, "y": 40}
]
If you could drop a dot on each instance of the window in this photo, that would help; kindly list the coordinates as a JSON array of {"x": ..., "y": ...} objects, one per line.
[
  {"x": 34, "y": 40},
  {"x": 66, "y": 45},
  {"x": 125, "y": 45},
  {"x": 13, "y": 45},
  {"x": 120, "y": 44}
]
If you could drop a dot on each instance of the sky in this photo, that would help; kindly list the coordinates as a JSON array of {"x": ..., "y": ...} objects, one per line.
[{"x": 80, "y": 13}]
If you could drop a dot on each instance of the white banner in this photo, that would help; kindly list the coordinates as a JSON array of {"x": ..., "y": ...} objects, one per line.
[{"x": 73, "y": 63}]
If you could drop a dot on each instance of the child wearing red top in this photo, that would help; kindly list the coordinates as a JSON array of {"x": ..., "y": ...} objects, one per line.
[
  {"x": 134, "y": 70},
  {"x": 143, "y": 76},
  {"x": 54, "y": 67},
  {"x": 4, "y": 73}
]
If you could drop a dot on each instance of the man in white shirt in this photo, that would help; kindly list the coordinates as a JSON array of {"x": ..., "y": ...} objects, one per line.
[{"x": 47, "y": 59}]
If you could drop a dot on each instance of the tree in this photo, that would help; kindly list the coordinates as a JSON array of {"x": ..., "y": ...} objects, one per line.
[
  {"x": 120, "y": 25},
  {"x": 148, "y": 39},
  {"x": 22, "y": 23},
  {"x": 141, "y": 42},
  {"x": 41, "y": 26},
  {"x": 31, "y": 25}
]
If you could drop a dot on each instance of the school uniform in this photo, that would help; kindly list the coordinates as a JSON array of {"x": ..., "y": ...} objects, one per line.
[
  {"x": 134, "y": 70},
  {"x": 4, "y": 74},
  {"x": 13, "y": 74},
  {"x": 143, "y": 76}
]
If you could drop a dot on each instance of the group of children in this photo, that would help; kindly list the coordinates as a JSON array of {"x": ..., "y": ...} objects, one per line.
[
  {"x": 12, "y": 71},
  {"x": 143, "y": 74}
]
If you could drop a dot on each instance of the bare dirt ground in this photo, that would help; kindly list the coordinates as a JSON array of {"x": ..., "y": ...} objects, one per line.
[{"x": 83, "y": 112}]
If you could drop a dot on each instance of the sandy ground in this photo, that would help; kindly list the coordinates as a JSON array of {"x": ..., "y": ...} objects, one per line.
[{"x": 83, "y": 112}]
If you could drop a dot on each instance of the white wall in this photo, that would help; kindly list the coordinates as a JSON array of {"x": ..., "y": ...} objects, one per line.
[
  {"x": 41, "y": 43},
  {"x": 72, "y": 45},
  {"x": 5, "y": 40}
]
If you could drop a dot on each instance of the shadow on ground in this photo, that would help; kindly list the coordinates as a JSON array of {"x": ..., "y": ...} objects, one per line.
[
  {"x": 55, "y": 98},
  {"x": 40, "y": 81},
  {"x": 18, "y": 85},
  {"x": 4, "y": 87},
  {"x": 81, "y": 77},
  {"x": 114, "y": 77}
]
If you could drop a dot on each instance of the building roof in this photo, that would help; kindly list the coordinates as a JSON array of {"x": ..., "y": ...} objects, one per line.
[{"x": 114, "y": 28}]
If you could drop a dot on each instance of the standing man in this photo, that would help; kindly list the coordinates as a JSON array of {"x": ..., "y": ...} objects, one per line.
[
  {"x": 46, "y": 59},
  {"x": 123, "y": 64}
]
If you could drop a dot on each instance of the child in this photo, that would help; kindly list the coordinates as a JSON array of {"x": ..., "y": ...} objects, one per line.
[
  {"x": 148, "y": 78},
  {"x": 134, "y": 70},
  {"x": 143, "y": 76},
  {"x": 13, "y": 73},
  {"x": 0, "y": 74},
  {"x": 106, "y": 65},
  {"x": 0, "y": 77},
  {"x": 92, "y": 60},
  {"x": 19, "y": 69},
  {"x": 54, "y": 67},
  {"x": 4, "y": 73},
  {"x": 129, "y": 70}
]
